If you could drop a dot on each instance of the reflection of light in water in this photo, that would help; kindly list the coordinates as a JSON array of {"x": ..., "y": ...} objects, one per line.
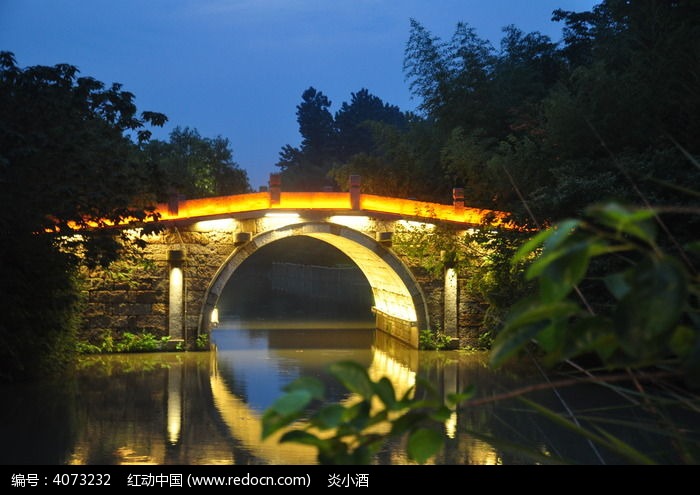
[
  {"x": 128, "y": 457},
  {"x": 479, "y": 452},
  {"x": 451, "y": 425},
  {"x": 244, "y": 421},
  {"x": 402, "y": 377},
  {"x": 174, "y": 410},
  {"x": 245, "y": 425}
]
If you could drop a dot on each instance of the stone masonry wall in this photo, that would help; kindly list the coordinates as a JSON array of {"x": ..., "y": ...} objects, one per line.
[
  {"x": 132, "y": 295},
  {"x": 470, "y": 315}
]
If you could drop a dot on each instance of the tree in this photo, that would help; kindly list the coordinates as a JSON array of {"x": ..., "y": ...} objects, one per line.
[
  {"x": 452, "y": 78},
  {"x": 68, "y": 159},
  {"x": 331, "y": 141},
  {"x": 194, "y": 166},
  {"x": 354, "y": 122},
  {"x": 305, "y": 168}
]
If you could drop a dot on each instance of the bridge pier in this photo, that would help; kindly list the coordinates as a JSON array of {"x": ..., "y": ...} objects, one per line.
[{"x": 450, "y": 304}]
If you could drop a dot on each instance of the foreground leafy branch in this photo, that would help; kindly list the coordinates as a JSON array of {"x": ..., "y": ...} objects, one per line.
[
  {"x": 651, "y": 313},
  {"x": 352, "y": 432}
]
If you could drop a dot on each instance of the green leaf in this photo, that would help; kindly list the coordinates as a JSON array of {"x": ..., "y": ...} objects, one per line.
[
  {"x": 385, "y": 390},
  {"x": 303, "y": 437},
  {"x": 466, "y": 394},
  {"x": 567, "y": 265},
  {"x": 534, "y": 312},
  {"x": 406, "y": 397},
  {"x": 328, "y": 417},
  {"x": 312, "y": 385},
  {"x": 507, "y": 346},
  {"x": 652, "y": 307},
  {"x": 592, "y": 334},
  {"x": 562, "y": 232},
  {"x": 377, "y": 418},
  {"x": 682, "y": 340},
  {"x": 423, "y": 444},
  {"x": 354, "y": 377},
  {"x": 441, "y": 414},
  {"x": 291, "y": 402},
  {"x": 406, "y": 422},
  {"x": 528, "y": 320},
  {"x": 358, "y": 415},
  {"x": 617, "y": 284},
  {"x": 530, "y": 245},
  {"x": 635, "y": 222},
  {"x": 552, "y": 337},
  {"x": 272, "y": 422}
]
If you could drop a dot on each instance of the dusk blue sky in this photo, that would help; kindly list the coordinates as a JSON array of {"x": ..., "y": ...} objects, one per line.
[{"x": 237, "y": 68}]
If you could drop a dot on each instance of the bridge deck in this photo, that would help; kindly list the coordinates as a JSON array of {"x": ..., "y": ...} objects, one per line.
[{"x": 253, "y": 204}]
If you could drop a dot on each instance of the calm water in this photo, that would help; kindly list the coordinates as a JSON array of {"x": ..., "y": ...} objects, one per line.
[{"x": 205, "y": 408}]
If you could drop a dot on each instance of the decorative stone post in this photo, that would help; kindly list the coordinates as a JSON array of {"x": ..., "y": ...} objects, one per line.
[
  {"x": 451, "y": 303},
  {"x": 275, "y": 188},
  {"x": 458, "y": 199},
  {"x": 176, "y": 299}
]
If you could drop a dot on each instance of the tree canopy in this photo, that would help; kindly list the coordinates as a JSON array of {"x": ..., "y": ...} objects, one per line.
[
  {"x": 194, "y": 166},
  {"x": 69, "y": 156}
]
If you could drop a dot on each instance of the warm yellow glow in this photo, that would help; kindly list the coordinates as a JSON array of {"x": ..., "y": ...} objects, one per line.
[
  {"x": 174, "y": 411},
  {"x": 282, "y": 215},
  {"x": 401, "y": 376},
  {"x": 314, "y": 201},
  {"x": 395, "y": 308},
  {"x": 133, "y": 233},
  {"x": 357, "y": 222},
  {"x": 215, "y": 316},
  {"x": 221, "y": 224},
  {"x": 431, "y": 211},
  {"x": 176, "y": 309},
  {"x": 245, "y": 424},
  {"x": 333, "y": 202},
  {"x": 220, "y": 205},
  {"x": 273, "y": 221},
  {"x": 175, "y": 279},
  {"x": 412, "y": 225},
  {"x": 451, "y": 425}
]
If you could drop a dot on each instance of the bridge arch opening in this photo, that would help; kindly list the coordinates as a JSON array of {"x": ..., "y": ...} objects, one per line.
[
  {"x": 398, "y": 302},
  {"x": 298, "y": 280}
]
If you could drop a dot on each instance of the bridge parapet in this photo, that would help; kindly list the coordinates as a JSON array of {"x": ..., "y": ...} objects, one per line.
[{"x": 252, "y": 205}]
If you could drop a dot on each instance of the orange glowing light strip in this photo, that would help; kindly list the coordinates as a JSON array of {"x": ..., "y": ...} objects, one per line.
[
  {"x": 428, "y": 211},
  {"x": 332, "y": 201},
  {"x": 338, "y": 202},
  {"x": 219, "y": 205},
  {"x": 313, "y": 201}
]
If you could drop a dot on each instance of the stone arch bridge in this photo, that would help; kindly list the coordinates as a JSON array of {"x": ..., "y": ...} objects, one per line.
[{"x": 175, "y": 293}]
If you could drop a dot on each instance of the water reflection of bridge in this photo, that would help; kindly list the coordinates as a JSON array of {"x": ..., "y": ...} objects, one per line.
[
  {"x": 398, "y": 363},
  {"x": 189, "y": 408}
]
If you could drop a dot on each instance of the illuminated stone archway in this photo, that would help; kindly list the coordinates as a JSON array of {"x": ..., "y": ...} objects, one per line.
[{"x": 399, "y": 304}]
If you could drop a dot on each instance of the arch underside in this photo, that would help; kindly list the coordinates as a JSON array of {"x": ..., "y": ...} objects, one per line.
[{"x": 398, "y": 299}]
